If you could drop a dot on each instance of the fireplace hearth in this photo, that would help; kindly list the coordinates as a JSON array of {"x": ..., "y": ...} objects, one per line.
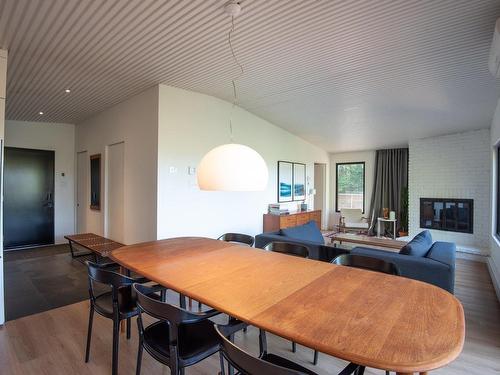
[{"x": 455, "y": 215}]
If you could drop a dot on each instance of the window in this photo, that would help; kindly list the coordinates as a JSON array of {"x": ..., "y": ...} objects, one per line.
[{"x": 350, "y": 189}]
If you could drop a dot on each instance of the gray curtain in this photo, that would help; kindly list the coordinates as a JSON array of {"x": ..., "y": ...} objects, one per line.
[{"x": 391, "y": 175}]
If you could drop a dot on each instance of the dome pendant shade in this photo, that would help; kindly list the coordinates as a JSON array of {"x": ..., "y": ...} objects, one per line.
[{"x": 232, "y": 167}]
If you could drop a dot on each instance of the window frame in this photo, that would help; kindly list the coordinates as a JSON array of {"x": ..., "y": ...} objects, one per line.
[
  {"x": 497, "y": 229},
  {"x": 337, "y": 182}
]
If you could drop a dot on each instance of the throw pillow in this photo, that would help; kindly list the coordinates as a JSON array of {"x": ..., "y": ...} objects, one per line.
[{"x": 419, "y": 246}]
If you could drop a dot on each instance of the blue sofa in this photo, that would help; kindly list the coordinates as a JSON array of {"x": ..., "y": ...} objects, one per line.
[
  {"x": 421, "y": 259},
  {"x": 308, "y": 235}
]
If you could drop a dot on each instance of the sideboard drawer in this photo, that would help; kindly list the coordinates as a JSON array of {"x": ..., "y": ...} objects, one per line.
[{"x": 288, "y": 221}]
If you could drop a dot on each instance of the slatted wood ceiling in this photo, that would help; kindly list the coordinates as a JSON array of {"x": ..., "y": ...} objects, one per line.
[{"x": 342, "y": 74}]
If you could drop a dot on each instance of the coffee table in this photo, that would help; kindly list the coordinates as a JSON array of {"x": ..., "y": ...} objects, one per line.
[{"x": 361, "y": 239}]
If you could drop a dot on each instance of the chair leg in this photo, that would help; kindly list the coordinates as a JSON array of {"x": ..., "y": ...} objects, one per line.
[
  {"x": 262, "y": 343},
  {"x": 116, "y": 338},
  {"x": 294, "y": 347},
  {"x": 361, "y": 370},
  {"x": 315, "y": 360},
  {"x": 163, "y": 295},
  {"x": 139, "y": 357},
  {"x": 89, "y": 333},
  {"x": 245, "y": 330},
  {"x": 221, "y": 361},
  {"x": 128, "y": 328},
  {"x": 199, "y": 305}
]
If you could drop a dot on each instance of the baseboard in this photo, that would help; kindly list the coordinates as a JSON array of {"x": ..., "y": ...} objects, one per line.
[
  {"x": 471, "y": 256},
  {"x": 495, "y": 275}
]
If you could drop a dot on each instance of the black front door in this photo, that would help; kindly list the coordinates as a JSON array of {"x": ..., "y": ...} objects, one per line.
[{"x": 28, "y": 213}]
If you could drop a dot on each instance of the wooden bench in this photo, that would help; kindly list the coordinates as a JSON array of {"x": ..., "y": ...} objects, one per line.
[{"x": 97, "y": 245}]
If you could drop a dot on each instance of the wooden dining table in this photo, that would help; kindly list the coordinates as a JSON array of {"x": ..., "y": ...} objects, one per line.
[{"x": 372, "y": 319}]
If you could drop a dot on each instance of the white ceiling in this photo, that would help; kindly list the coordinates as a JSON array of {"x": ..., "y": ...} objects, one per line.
[{"x": 345, "y": 75}]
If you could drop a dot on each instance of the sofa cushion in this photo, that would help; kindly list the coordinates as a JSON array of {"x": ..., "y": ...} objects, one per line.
[
  {"x": 419, "y": 246},
  {"x": 306, "y": 232}
]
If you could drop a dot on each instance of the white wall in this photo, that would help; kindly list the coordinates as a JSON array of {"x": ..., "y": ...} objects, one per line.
[
  {"x": 453, "y": 166},
  {"x": 190, "y": 124},
  {"x": 61, "y": 139},
  {"x": 134, "y": 122},
  {"x": 494, "y": 260},
  {"x": 362, "y": 156}
]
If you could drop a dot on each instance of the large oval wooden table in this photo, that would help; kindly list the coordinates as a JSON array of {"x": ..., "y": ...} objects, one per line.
[{"x": 377, "y": 320}]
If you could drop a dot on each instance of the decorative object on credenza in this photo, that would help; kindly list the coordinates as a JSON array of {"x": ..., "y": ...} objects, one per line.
[
  {"x": 285, "y": 181},
  {"x": 291, "y": 181},
  {"x": 303, "y": 207},
  {"x": 385, "y": 213},
  {"x": 299, "y": 181},
  {"x": 277, "y": 209},
  {"x": 232, "y": 166}
]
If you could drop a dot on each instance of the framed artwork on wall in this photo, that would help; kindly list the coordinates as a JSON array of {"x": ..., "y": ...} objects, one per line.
[
  {"x": 95, "y": 182},
  {"x": 285, "y": 181},
  {"x": 299, "y": 182},
  {"x": 291, "y": 181}
]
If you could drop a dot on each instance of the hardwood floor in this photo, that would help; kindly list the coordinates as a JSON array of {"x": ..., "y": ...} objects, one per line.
[{"x": 52, "y": 342}]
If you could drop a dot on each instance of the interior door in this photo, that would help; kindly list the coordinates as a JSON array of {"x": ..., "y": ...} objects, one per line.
[
  {"x": 28, "y": 217},
  {"x": 115, "y": 192},
  {"x": 82, "y": 163}
]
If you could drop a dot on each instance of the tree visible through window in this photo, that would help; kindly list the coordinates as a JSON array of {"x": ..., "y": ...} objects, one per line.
[{"x": 350, "y": 189}]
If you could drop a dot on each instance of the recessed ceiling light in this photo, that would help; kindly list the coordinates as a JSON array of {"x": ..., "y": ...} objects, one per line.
[
  {"x": 40, "y": 113},
  {"x": 67, "y": 91}
]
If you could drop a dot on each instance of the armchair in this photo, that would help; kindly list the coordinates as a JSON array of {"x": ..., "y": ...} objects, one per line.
[{"x": 352, "y": 219}]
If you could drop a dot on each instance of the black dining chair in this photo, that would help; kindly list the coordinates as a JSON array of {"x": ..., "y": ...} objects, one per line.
[
  {"x": 180, "y": 338},
  {"x": 265, "y": 364},
  {"x": 288, "y": 248},
  {"x": 366, "y": 263},
  {"x": 238, "y": 237},
  {"x": 116, "y": 304}
]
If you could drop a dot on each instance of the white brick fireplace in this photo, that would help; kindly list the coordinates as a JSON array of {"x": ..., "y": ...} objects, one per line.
[{"x": 453, "y": 166}]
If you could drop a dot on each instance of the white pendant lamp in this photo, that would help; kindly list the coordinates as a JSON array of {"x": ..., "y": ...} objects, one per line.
[{"x": 232, "y": 167}]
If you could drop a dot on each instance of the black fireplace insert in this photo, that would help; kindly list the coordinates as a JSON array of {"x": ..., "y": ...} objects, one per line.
[{"x": 455, "y": 215}]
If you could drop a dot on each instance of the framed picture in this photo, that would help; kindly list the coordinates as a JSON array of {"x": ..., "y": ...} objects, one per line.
[
  {"x": 95, "y": 182},
  {"x": 299, "y": 182},
  {"x": 285, "y": 181}
]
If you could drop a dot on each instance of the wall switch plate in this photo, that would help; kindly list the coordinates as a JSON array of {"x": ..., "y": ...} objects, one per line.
[
  {"x": 191, "y": 170},
  {"x": 173, "y": 170}
]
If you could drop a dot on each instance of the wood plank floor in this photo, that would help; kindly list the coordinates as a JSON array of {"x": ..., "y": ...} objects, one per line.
[{"x": 53, "y": 342}]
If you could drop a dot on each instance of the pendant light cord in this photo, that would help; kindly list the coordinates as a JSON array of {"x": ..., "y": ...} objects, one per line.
[{"x": 235, "y": 93}]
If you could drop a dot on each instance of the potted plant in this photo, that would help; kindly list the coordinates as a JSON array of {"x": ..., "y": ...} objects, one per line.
[{"x": 403, "y": 231}]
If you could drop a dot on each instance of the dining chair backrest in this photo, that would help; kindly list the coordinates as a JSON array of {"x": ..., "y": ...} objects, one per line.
[
  {"x": 237, "y": 237},
  {"x": 367, "y": 263},
  {"x": 163, "y": 310},
  {"x": 288, "y": 248},
  {"x": 101, "y": 273},
  {"x": 246, "y": 363}
]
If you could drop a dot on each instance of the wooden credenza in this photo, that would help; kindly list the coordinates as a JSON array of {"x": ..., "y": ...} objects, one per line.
[{"x": 273, "y": 223}]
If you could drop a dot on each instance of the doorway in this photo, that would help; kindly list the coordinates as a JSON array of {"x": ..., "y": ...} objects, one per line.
[
  {"x": 114, "y": 224},
  {"x": 28, "y": 198},
  {"x": 320, "y": 186}
]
